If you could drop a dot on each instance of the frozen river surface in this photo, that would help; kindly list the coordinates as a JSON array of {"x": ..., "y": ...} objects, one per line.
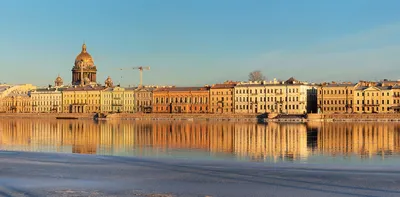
[{"x": 55, "y": 174}]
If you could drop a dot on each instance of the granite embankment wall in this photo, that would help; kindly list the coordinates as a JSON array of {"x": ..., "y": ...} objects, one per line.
[
  {"x": 353, "y": 117},
  {"x": 140, "y": 116},
  {"x": 206, "y": 117},
  {"x": 46, "y": 115},
  {"x": 211, "y": 117}
]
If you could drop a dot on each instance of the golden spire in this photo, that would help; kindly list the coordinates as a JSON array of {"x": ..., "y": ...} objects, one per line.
[{"x": 84, "y": 48}]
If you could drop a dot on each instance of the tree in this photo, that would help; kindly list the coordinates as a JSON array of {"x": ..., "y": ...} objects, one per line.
[{"x": 256, "y": 76}]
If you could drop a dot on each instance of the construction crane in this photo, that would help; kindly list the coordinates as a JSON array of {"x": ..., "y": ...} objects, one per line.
[{"x": 140, "y": 68}]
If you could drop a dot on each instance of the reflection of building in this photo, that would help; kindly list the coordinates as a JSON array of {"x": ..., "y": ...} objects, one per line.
[
  {"x": 84, "y": 70},
  {"x": 273, "y": 142},
  {"x": 365, "y": 139},
  {"x": 144, "y": 99},
  {"x": 290, "y": 96},
  {"x": 335, "y": 98},
  {"x": 84, "y": 137},
  {"x": 181, "y": 100},
  {"x": 221, "y": 97}
]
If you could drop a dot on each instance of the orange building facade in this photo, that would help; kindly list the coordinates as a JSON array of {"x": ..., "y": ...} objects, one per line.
[{"x": 181, "y": 100}]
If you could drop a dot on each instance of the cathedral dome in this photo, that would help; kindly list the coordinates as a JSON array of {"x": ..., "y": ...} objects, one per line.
[
  {"x": 58, "y": 81},
  {"x": 84, "y": 58},
  {"x": 108, "y": 82}
]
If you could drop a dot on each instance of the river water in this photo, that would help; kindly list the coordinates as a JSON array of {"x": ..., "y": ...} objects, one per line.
[{"x": 319, "y": 143}]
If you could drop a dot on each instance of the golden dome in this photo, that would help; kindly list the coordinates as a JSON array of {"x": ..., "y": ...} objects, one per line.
[
  {"x": 58, "y": 79},
  {"x": 108, "y": 82},
  {"x": 84, "y": 57}
]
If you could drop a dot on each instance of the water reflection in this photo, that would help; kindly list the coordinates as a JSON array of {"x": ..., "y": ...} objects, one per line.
[{"x": 245, "y": 141}]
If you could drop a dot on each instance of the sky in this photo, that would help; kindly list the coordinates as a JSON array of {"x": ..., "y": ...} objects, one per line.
[{"x": 198, "y": 42}]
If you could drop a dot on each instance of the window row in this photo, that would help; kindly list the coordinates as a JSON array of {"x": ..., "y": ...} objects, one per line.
[{"x": 266, "y": 91}]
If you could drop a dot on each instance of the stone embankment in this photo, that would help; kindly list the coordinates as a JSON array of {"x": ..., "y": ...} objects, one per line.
[
  {"x": 214, "y": 117},
  {"x": 392, "y": 117},
  {"x": 189, "y": 117},
  {"x": 47, "y": 115}
]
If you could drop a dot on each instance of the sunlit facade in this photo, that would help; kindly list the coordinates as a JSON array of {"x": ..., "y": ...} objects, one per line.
[
  {"x": 290, "y": 97},
  {"x": 335, "y": 97},
  {"x": 117, "y": 99},
  {"x": 48, "y": 100}
]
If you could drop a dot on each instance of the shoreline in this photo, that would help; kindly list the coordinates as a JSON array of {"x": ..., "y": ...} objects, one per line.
[
  {"x": 259, "y": 118},
  {"x": 57, "y": 174}
]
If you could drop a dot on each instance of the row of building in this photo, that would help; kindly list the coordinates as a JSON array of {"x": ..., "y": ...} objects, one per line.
[
  {"x": 289, "y": 96},
  {"x": 85, "y": 95}
]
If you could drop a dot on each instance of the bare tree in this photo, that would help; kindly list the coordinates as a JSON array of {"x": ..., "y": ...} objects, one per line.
[{"x": 256, "y": 76}]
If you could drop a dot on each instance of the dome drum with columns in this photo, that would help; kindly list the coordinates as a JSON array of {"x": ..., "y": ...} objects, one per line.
[
  {"x": 58, "y": 82},
  {"x": 84, "y": 64},
  {"x": 108, "y": 82}
]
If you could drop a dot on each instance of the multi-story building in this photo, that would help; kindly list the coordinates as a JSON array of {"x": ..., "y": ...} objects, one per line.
[
  {"x": 16, "y": 98},
  {"x": 17, "y": 103},
  {"x": 117, "y": 99},
  {"x": 84, "y": 99},
  {"x": 373, "y": 97},
  {"x": 290, "y": 97},
  {"x": 144, "y": 98},
  {"x": 46, "y": 100},
  {"x": 335, "y": 97},
  {"x": 221, "y": 97},
  {"x": 396, "y": 98},
  {"x": 181, "y": 100}
]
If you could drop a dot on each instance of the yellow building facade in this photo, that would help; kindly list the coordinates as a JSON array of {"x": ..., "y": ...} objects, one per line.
[
  {"x": 221, "y": 98},
  {"x": 372, "y": 97},
  {"x": 335, "y": 98},
  {"x": 117, "y": 99},
  {"x": 16, "y": 98},
  {"x": 85, "y": 99}
]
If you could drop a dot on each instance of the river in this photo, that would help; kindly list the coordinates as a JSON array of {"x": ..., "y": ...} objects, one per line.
[{"x": 314, "y": 143}]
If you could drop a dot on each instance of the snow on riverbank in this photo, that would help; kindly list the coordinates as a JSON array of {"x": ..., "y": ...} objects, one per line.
[{"x": 49, "y": 174}]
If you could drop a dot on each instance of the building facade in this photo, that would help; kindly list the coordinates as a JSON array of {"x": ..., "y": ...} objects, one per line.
[
  {"x": 373, "y": 97},
  {"x": 181, "y": 100},
  {"x": 144, "y": 99},
  {"x": 17, "y": 103},
  {"x": 221, "y": 98},
  {"x": 335, "y": 97},
  {"x": 84, "y": 99},
  {"x": 16, "y": 98},
  {"x": 48, "y": 100},
  {"x": 117, "y": 100},
  {"x": 289, "y": 97}
]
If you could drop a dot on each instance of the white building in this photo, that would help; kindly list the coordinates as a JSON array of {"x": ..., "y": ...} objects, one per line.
[
  {"x": 289, "y": 97},
  {"x": 46, "y": 100}
]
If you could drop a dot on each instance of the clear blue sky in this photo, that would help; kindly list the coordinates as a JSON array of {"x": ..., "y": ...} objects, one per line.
[{"x": 188, "y": 42}]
